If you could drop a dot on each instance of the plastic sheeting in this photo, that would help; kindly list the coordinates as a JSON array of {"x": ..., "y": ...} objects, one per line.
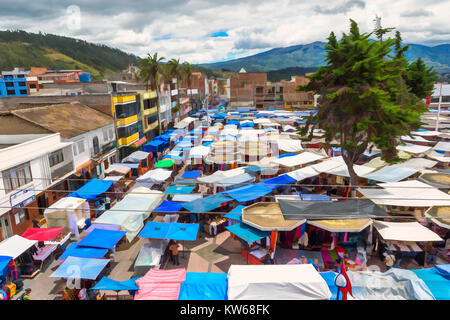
[
  {"x": 235, "y": 214},
  {"x": 155, "y": 176},
  {"x": 80, "y": 268},
  {"x": 170, "y": 231},
  {"x": 303, "y": 173},
  {"x": 417, "y": 163},
  {"x": 109, "y": 284},
  {"x": 187, "y": 197},
  {"x": 290, "y": 145},
  {"x": 100, "y": 238},
  {"x": 442, "y": 146},
  {"x": 191, "y": 174},
  {"x": 302, "y": 158},
  {"x": 42, "y": 234},
  {"x": 405, "y": 231},
  {"x": 248, "y": 193},
  {"x": 14, "y": 246},
  {"x": 92, "y": 189},
  {"x": 168, "y": 206},
  {"x": 151, "y": 253},
  {"x": 277, "y": 182},
  {"x": 204, "y": 286},
  {"x": 206, "y": 204},
  {"x": 160, "y": 284},
  {"x": 413, "y": 148},
  {"x": 236, "y": 180},
  {"x": 4, "y": 260},
  {"x": 267, "y": 216},
  {"x": 276, "y": 282},
  {"x": 164, "y": 163},
  {"x": 390, "y": 174},
  {"x": 136, "y": 157},
  {"x": 220, "y": 175},
  {"x": 179, "y": 190},
  {"x": 73, "y": 250},
  {"x": 247, "y": 233},
  {"x": 437, "y": 281}
]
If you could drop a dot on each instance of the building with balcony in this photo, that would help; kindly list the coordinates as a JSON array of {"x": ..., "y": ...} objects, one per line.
[
  {"x": 32, "y": 171},
  {"x": 14, "y": 83},
  {"x": 297, "y": 99},
  {"x": 150, "y": 116}
]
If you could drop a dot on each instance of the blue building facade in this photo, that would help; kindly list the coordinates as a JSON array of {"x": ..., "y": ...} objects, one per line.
[{"x": 13, "y": 87}]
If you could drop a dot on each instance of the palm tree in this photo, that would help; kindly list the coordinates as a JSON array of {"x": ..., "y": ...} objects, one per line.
[{"x": 186, "y": 75}]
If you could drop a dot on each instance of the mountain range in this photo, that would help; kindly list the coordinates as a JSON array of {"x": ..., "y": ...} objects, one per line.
[{"x": 312, "y": 55}]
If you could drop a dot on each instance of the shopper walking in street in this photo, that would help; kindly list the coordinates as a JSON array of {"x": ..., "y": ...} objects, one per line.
[{"x": 174, "y": 250}]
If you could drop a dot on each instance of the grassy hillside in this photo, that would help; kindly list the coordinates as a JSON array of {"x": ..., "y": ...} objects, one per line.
[{"x": 22, "y": 49}]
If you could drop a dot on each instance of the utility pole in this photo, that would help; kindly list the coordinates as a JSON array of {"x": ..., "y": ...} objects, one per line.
[{"x": 439, "y": 108}]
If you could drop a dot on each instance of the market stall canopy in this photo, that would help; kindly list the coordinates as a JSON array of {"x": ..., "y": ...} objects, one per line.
[
  {"x": 413, "y": 148},
  {"x": 326, "y": 165},
  {"x": 390, "y": 174},
  {"x": 158, "y": 284},
  {"x": 290, "y": 145},
  {"x": 136, "y": 157},
  {"x": 267, "y": 216},
  {"x": 170, "y": 231},
  {"x": 220, "y": 175},
  {"x": 151, "y": 253},
  {"x": 437, "y": 281},
  {"x": 426, "y": 133},
  {"x": 168, "y": 206},
  {"x": 109, "y": 284},
  {"x": 206, "y": 204},
  {"x": 112, "y": 178},
  {"x": 303, "y": 173},
  {"x": 440, "y": 216},
  {"x": 100, "y": 238},
  {"x": 199, "y": 152},
  {"x": 179, "y": 190},
  {"x": 405, "y": 231},
  {"x": 438, "y": 180},
  {"x": 4, "y": 260},
  {"x": 417, "y": 163},
  {"x": 123, "y": 170},
  {"x": 155, "y": 146},
  {"x": 437, "y": 156},
  {"x": 204, "y": 286},
  {"x": 279, "y": 181},
  {"x": 414, "y": 139},
  {"x": 327, "y": 210},
  {"x": 155, "y": 176},
  {"x": 42, "y": 234},
  {"x": 248, "y": 192},
  {"x": 442, "y": 146},
  {"x": 92, "y": 189},
  {"x": 236, "y": 213},
  {"x": 155, "y": 230},
  {"x": 302, "y": 158},
  {"x": 187, "y": 197},
  {"x": 246, "y": 232},
  {"x": 128, "y": 165},
  {"x": 184, "y": 123},
  {"x": 345, "y": 225},
  {"x": 236, "y": 180},
  {"x": 86, "y": 268},
  {"x": 411, "y": 193},
  {"x": 276, "y": 282},
  {"x": 343, "y": 170},
  {"x": 14, "y": 246},
  {"x": 73, "y": 250},
  {"x": 376, "y": 163},
  {"x": 164, "y": 163},
  {"x": 191, "y": 174}
]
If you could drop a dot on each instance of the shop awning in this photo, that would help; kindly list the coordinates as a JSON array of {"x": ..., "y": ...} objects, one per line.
[
  {"x": 438, "y": 180},
  {"x": 247, "y": 233},
  {"x": 139, "y": 143},
  {"x": 326, "y": 210},
  {"x": 73, "y": 250},
  {"x": 390, "y": 174},
  {"x": 440, "y": 216},
  {"x": 206, "y": 204},
  {"x": 204, "y": 286},
  {"x": 191, "y": 174},
  {"x": 405, "y": 231},
  {"x": 236, "y": 213},
  {"x": 42, "y": 234},
  {"x": 85, "y": 268},
  {"x": 267, "y": 216},
  {"x": 164, "y": 163},
  {"x": 136, "y": 157},
  {"x": 347, "y": 225},
  {"x": 179, "y": 190},
  {"x": 92, "y": 189},
  {"x": 277, "y": 182},
  {"x": 168, "y": 206},
  {"x": 14, "y": 246},
  {"x": 248, "y": 193},
  {"x": 123, "y": 170},
  {"x": 109, "y": 284},
  {"x": 100, "y": 238}
]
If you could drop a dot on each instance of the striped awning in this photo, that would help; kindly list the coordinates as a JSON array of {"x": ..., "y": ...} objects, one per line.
[{"x": 139, "y": 143}]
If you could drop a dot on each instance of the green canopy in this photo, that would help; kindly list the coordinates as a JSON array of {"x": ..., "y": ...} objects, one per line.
[{"x": 164, "y": 163}]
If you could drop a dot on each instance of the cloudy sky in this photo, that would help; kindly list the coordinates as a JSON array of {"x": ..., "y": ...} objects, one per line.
[{"x": 207, "y": 31}]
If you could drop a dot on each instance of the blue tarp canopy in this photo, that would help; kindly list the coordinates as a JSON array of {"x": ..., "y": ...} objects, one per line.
[
  {"x": 247, "y": 125},
  {"x": 155, "y": 230},
  {"x": 109, "y": 284},
  {"x": 183, "y": 231},
  {"x": 436, "y": 281},
  {"x": 100, "y": 238},
  {"x": 219, "y": 115},
  {"x": 204, "y": 286},
  {"x": 184, "y": 144},
  {"x": 444, "y": 269},
  {"x": 286, "y": 155},
  {"x": 329, "y": 279},
  {"x": 164, "y": 137},
  {"x": 207, "y": 144},
  {"x": 80, "y": 268},
  {"x": 83, "y": 252},
  {"x": 154, "y": 146},
  {"x": 252, "y": 169},
  {"x": 168, "y": 206},
  {"x": 4, "y": 260},
  {"x": 248, "y": 193},
  {"x": 170, "y": 231},
  {"x": 92, "y": 189},
  {"x": 315, "y": 197},
  {"x": 191, "y": 174},
  {"x": 179, "y": 190},
  {"x": 185, "y": 182},
  {"x": 235, "y": 122},
  {"x": 277, "y": 182},
  {"x": 236, "y": 213},
  {"x": 247, "y": 233},
  {"x": 206, "y": 204}
]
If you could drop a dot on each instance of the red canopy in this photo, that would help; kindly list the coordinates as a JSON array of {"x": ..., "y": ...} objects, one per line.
[{"x": 42, "y": 234}]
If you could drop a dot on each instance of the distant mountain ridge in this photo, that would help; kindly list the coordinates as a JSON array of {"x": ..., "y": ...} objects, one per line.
[{"x": 312, "y": 55}]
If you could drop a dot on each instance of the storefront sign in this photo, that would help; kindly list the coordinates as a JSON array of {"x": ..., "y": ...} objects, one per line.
[{"x": 23, "y": 197}]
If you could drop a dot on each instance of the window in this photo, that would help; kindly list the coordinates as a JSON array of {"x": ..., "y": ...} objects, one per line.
[
  {"x": 22, "y": 84},
  {"x": 74, "y": 147},
  {"x": 10, "y": 92},
  {"x": 23, "y": 92},
  {"x": 9, "y": 84},
  {"x": 81, "y": 148},
  {"x": 124, "y": 132},
  {"x": 55, "y": 157},
  {"x": 16, "y": 177},
  {"x": 96, "y": 145},
  {"x": 105, "y": 135},
  {"x": 20, "y": 215},
  {"x": 150, "y": 103},
  {"x": 126, "y": 110}
]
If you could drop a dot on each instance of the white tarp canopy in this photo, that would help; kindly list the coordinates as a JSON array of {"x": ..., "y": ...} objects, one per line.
[
  {"x": 417, "y": 163},
  {"x": 437, "y": 156},
  {"x": 414, "y": 139},
  {"x": 426, "y": 133},
  {"x": 442, "y": 146},
  {"x": 343, "y": 170},
  {"x": 326, "y": 165},
  {"x": 289, "y": 128},
  {"x": 410, "y": 193},
  {"x": 15, "y": 246},
  {"x": 290, "y": 145},
  {"x": 155, "y": 176},
  {"x": 261, "y": 120},
  {"x": 303, "y": 173},
  {"x": 220, "y": 175},
  {"x": 405, "y": 231},
  {"x": 390, "y": 174},
  {"x": 117, "y": 168},
  {"x": 199, "y": 151},
  {"x": 187, "y": 197},
  {"x": 276, "y": 282},
  {"x": 413, "y": 148},
  {"x": 302, "y": 158},
  {"x": 184, "y": 123},
  {"x": 136, "y": 157}
]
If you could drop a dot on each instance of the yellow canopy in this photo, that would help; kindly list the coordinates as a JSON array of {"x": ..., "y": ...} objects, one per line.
[
  {"x": 344, "y": 225},
  {"x": 440, "y": 216},
  {"x": 267, "y": 216}
]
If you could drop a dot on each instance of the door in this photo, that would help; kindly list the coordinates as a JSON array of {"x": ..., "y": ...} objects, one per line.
[{"x": 5, "y": 226}]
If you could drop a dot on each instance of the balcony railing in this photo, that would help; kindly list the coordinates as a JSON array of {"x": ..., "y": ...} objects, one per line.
[{"x": 62, "y": 171}]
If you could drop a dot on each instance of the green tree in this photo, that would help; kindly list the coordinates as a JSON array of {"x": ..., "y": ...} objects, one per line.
[
  {"x": 186, "y": 75},
  {"x": 420, "y": 79},
  {"x": 173, "y": 70},
  {"x": 364, "y": 99}
]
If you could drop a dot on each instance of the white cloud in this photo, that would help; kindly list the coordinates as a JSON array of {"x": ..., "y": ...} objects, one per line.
[{"x": 254, "y": 26}]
